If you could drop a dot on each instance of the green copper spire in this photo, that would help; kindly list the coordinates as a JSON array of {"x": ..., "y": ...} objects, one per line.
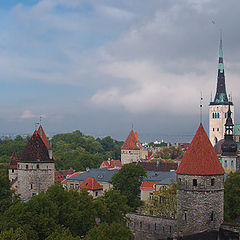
[{"x": 220, "y": 64}]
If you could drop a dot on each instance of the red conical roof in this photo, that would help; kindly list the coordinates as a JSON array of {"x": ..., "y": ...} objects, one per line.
[
  {"x": 131, "y": 142},
  {"x": 43, "y": 136},
  {"x": 13, "y": 161},
  {"x": 35, "y": 150},
  {"x": 90, "y": 183},
  {"x": 200, "y": 158}
]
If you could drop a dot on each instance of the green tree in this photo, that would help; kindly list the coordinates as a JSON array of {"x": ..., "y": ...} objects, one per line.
[
  {"x": 61, "y": 234},
  {"x": 128, "y": 181},
  {"x": 232, "y": 197},
  {"x": 11, "y": 234},
  {"x": 112, "y": 207},
  {"x": 114, "y": 231},
  {"x": 163, "y": 202}
]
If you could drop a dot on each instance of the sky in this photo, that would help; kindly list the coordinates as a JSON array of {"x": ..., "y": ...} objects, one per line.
[{"x": 103, "y": 66}]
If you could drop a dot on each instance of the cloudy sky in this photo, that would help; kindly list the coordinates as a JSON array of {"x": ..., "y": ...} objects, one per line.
[{"x": 101, "y": 65}]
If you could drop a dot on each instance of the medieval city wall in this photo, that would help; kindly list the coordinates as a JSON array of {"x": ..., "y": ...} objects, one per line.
[{"x": 129, "y": 156}]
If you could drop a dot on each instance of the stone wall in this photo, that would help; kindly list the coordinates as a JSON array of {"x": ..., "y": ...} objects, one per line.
[
  {"x": 34, "y": 178},
  {"x": 199, "y": 208},
  {"x": 151, "y": 227},
  {"x": 12, "y": 174},
  {"x": 129, "y": 156}
]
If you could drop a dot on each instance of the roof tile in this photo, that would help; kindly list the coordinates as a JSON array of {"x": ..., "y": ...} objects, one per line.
[
  {"x": 200, "y": 158},
  {"x": 131, "y": 142},
  {"x": 90, "y": 183}
]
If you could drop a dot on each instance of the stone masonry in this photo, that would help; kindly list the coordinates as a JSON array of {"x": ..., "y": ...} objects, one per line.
[{"x": 199, "y": 208}]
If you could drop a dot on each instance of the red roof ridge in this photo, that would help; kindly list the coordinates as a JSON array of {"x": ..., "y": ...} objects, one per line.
[
  {"x": 13, "y": 161},
  {"x": 43, "y": 136},
  {"x": 200, "y": 158},
  {"x": 90, "y": 183},
  {"x": 131, "y": 142}
]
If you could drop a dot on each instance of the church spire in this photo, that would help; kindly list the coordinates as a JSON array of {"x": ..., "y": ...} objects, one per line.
[{"x": 221, "y": 95}]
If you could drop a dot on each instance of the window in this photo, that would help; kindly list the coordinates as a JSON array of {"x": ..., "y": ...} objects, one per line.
[
  {"x": 76, "y": 186},
  {"x": 195, "y": 182},
  {"x": 71, "y": 185},
  {"x": 218, "y": 115},
  {"x": 151, "y": 195},
  {"x": 155, "y": 227},
  {"x": 140, "y": 225},
  {"x": 213, "y": 129},
  {"x": 218, "y": 129},
  {"x": 225, "y": 115},
  {"x": 96, "y": 194},
  {"x": 212, "y": 182},
  {"x": 225, "y": 163},
  {"x": 185, "y": 215},
  {"x": 212, "y": 115},
  {"x": 212, "y": 216},
  {"x": 12, "y": 170},
  {"x": 163, "y": 229},
  {"x": 215, "y": 115},
  {"x": 37, "y": 166},
  {"x": 33, "y": 194},
  {"x": 26, "y": 166},
  {"x": 170, "y": 229},
  {"x": 232, "y": 163},
  {"x": 31, "y": 186},
  {"x": 180, "y": 180}
]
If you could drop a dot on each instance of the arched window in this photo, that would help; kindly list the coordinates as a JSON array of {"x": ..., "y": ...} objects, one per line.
[
  {"x": 218, "y": 115},
  {"x": 212, "y": 115}
]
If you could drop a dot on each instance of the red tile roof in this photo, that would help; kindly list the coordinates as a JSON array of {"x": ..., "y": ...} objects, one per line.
[
  {"x": 90, "y": 183},
  {"x": 200, "y": 158},
  {"x": 35, "y": 150},
  {"x": 13, "y": 161},
  {"x": 60, "y": 175},
  {"x": 131, "y": 142},
  {"x": 147, "y": 185},
  {"x": 69, "y": 177},
  {"x": 43, "y": 136},
  {"x": 110, "y": 164}
]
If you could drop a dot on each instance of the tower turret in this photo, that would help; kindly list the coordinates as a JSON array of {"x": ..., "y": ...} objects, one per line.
[{"x": 229, "y": 155}]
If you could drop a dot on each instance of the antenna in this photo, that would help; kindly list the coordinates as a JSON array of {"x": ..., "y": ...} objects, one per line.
[
  {"x": 201, "y": 99},
  {"x": 40, "y": 120},
  {"x": 132, "y": 125}
]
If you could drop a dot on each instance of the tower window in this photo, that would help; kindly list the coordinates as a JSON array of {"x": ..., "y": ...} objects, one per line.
[
  {"x": 218, "y": 129},
  {"x": 180, "y": 180},
  {"x": 155, "y": 227},
  {"x": 140, "y": 225},
  {"x": 195, "y": 182},
  {"x": 212, "y": 217},
  {"x": 31, "y": 186},
  {"x": 212, "y": 182},
  {"x": 37, "y": 166},
  {"x": 12, "y": 170},
  {"x": 225, "y": 163},
  {"x": 213, "y": 129},
  {"x": 27, "y": 166},
  {"x": 232, "y": 163},
  {"x": 185, "y": 216},
  {"x": 218, "y": 115},
  {"x": 212, "y": 115},
  {"x": 215, "y": 115}
]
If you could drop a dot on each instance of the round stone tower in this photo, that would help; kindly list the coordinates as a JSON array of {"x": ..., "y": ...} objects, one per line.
[{"x": 200, "y": 189}]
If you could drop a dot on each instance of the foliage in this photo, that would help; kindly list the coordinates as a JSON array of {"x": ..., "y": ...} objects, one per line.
[
  {"x": 61, "y": 214},
  {"x": 128, "y": 180},
  {"x": 5, "y": 192},
  {"x": 10, "y": 234},
  {"x": 162, "y": 144},
  {"x": 169, "y": 153},
  {"x": 232, "y": 197},
  {"x": 114, "y": 231},
  {"x": 112, "y": 207},
  {"x": 163, "y": 202},
  {"x": 79, "y": 152}
]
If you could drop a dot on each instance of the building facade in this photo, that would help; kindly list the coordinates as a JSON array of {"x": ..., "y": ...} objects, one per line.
[{"x": 219, "y": 107}]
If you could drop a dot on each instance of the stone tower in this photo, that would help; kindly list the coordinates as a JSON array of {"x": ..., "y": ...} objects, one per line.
[
  {"x": 130, "y": 150},
  {"x": 219, "y": 107},
  {"x": 35, "y": 168},
  {"x": 200, "y": 187},
  {"x": 229, "y": 156}
]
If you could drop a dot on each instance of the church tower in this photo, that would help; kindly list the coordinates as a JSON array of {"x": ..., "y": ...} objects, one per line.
[
  {"x": 200, "y": 187},
  {"x": 229, "y": 157},
  {"x": 219, "y": 107}
]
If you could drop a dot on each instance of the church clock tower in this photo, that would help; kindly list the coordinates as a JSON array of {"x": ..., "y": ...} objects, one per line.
[{"x": 219, "y": 107}]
